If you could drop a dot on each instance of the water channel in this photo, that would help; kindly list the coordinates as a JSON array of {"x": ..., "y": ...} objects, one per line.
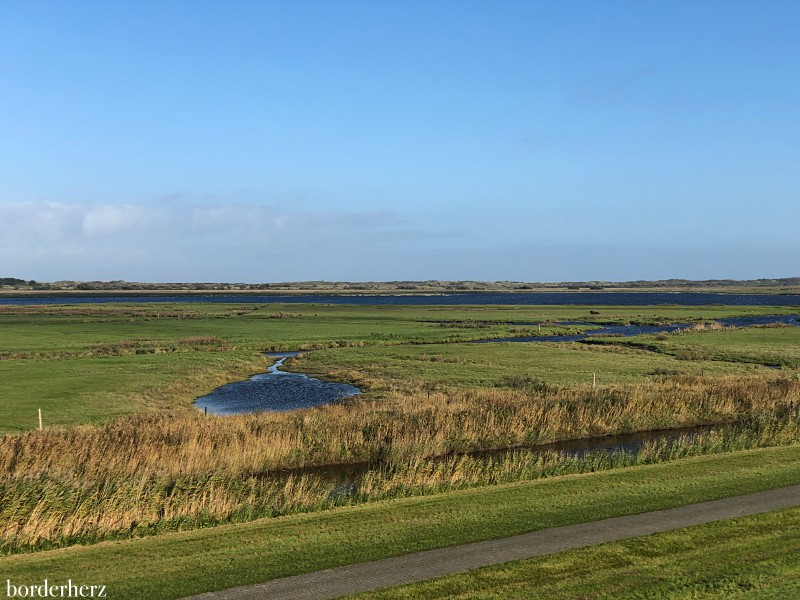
[
  {"x": 632, "y": 330},
  {"x": 344, "y": 480}
]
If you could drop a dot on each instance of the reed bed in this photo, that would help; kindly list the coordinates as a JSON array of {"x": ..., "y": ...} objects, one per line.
[
  {"x": 151, "y": 473},
  {"x": 398, "y": 426},
  {"x": 64, "y": 514}
]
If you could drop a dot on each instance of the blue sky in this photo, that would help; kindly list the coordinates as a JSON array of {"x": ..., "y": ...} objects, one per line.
[{"x": 375, "y": 140}]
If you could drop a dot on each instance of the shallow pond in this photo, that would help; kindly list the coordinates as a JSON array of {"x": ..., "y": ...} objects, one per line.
[{"x": 274, "y": 390}]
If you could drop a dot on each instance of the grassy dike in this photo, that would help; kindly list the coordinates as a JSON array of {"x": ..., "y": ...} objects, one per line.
[
  {"x": 180, "y": 564},
  {"x": 751, "y": 558}
]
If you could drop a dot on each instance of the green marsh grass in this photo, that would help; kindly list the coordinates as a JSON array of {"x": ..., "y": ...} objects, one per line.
[
  {"x": 777, "y": 346},
  {"x": 89, "y": 363}
]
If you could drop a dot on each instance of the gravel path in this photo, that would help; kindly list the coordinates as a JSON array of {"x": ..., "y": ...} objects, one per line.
[{"x": 410, "y": 568}]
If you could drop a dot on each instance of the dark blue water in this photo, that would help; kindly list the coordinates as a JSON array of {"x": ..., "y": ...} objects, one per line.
[
  {"x": 505, "y": 298},
  {"x": 631, "y": 330},
  {"x": 747, "y": 321},
  {"x": 274, "y": 390}
]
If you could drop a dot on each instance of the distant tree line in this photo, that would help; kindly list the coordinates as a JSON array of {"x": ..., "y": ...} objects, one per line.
[
  {"x": 17, "y": 282},
  {"x": 398, "y": 286}
]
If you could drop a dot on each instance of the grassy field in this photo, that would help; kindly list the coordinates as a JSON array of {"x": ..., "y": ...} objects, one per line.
[
  {"x": 217, "y": 558},
  {"x": 756, "y": 557},
  {"x": 774, "y": 346},
  {"x": 89, "y": 363},
  {"x": 93, "y": 389},
  {"x": 502, "y": 364}
]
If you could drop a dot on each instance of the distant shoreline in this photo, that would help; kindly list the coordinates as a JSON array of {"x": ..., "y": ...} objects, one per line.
[{"x": 779, "y": 291}]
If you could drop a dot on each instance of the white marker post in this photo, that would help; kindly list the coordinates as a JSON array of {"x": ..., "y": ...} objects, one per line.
[{"x": 40, "y": 419}]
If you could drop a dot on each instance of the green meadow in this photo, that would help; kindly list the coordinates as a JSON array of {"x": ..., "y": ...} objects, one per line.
[
  {"x": 124, "y": 456},
  {"x": 503, "y": 364},
  {"x": 89, "y": 363},
  {"x": 773, "y": 346}
]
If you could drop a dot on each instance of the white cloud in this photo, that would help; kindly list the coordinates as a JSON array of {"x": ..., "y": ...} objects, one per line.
[
  {"x": 179, "y": 241},
  {"x": 109, "y": 219},
  {"x": 176, "y": 240},
  {"x": 53, "y": 220}
]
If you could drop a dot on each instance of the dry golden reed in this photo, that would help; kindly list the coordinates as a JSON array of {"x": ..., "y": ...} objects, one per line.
[
  {"x": 399, "y": 426},
  {"x": 144, "y": 472}
]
